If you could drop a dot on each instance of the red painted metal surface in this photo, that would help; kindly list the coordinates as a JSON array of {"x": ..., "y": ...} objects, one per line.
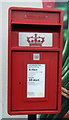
[
  {"x": 27, "y": 20},
  {"x": 20, "y": 102},
  {"x": 48, "y": 4}
]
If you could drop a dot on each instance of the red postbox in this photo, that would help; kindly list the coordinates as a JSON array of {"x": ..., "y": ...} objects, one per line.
[{"x": 34, "y": 61}]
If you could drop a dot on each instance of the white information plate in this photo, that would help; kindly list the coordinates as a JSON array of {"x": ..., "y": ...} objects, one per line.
[
  {"x": 35, "y": 80},
  {"x": 35, "y": 39}
]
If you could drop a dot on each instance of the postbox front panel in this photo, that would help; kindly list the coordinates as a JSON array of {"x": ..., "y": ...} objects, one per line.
[
  {"x": 34, "y": 61},
  {"x": 32, "y": 81}
]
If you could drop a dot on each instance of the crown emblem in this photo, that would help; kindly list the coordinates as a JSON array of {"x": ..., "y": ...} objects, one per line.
[{"x": 35, "y": 40}]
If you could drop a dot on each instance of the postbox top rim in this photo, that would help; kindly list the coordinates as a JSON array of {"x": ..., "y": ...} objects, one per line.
[{"x": 35, "y": 9}]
